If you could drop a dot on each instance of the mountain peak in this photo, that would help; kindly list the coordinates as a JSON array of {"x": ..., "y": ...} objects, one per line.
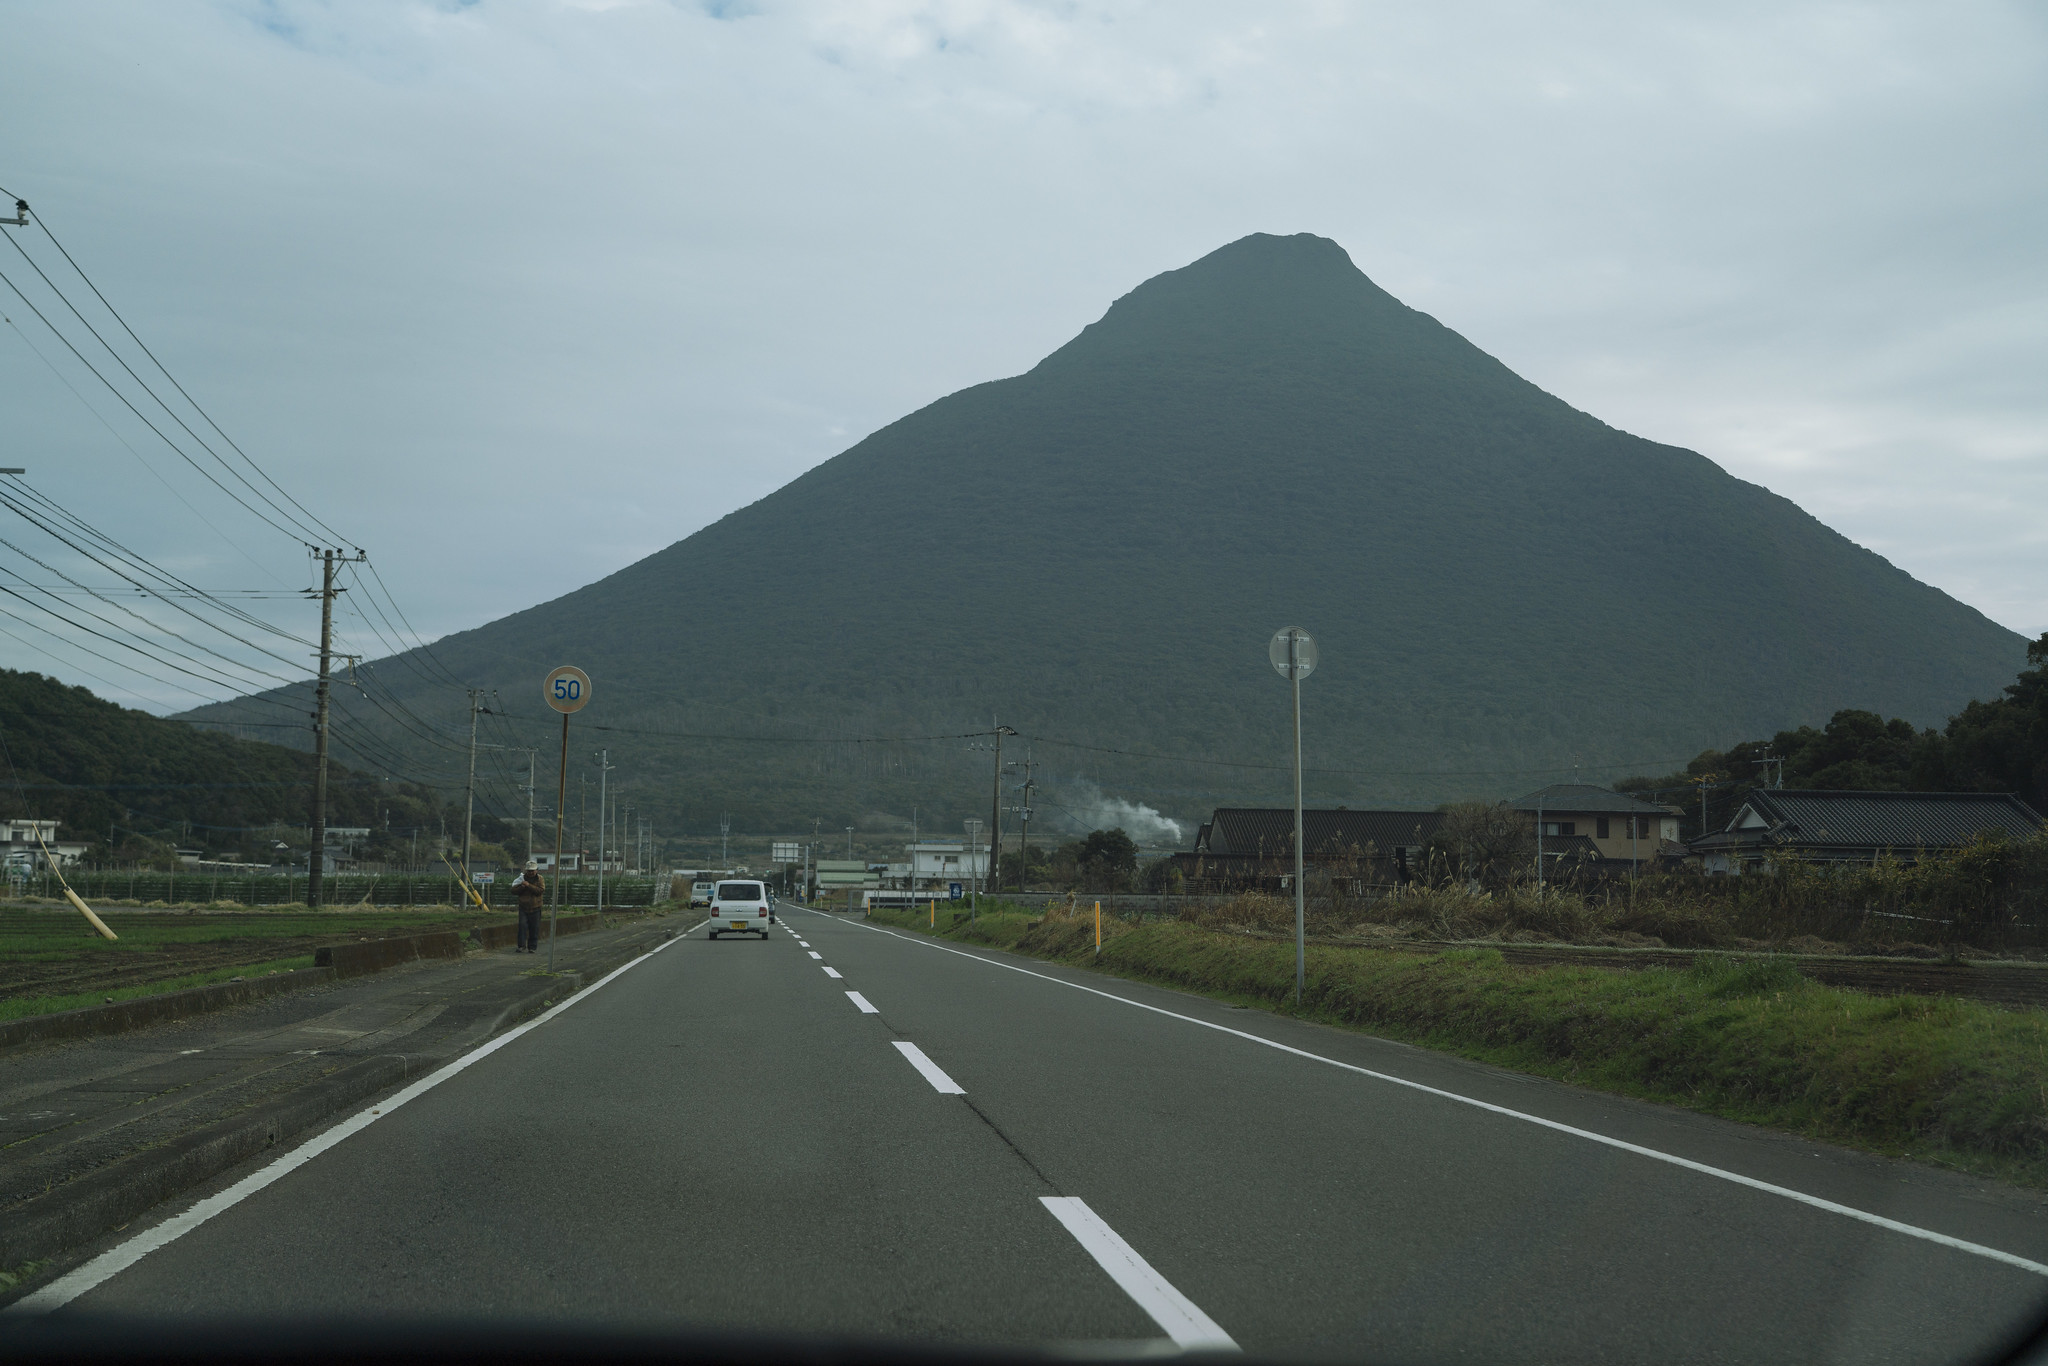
[{"x": 1261, "y": 293}]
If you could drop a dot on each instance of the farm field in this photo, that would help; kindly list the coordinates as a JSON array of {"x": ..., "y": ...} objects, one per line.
[{"x": 50, "y": 959}]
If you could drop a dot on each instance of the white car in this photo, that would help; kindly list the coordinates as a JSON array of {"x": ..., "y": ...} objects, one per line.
[{"x": 740, "y": 908}]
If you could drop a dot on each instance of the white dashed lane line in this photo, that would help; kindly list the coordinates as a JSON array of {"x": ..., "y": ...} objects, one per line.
[
  {"x": 1190, "y": 1329},
  {"x": 862, "y": 1002},
  {"x": 815, "y": 954},
  {"x": 832, "y": 972},
  {"x": 929, "y": 1070}
]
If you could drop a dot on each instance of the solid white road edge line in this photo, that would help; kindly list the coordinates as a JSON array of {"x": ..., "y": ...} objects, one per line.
[
  {"x": 832, "y": 973},
  {"x": 1785, "y": 1192},
  {"x": 1190, "y": 1329},
  {"x": 862, "y": 1002},
  {"x": 114, "y": 1261},
  {"x": 941, "y": 1083}
]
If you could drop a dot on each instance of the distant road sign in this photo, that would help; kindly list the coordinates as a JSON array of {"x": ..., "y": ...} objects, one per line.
[
  {"x": 484, "y": 879},
  {"x": 784, "y": 851},
  {"x": 954, "y": 891},
  {"x": 567, "y": 689}
]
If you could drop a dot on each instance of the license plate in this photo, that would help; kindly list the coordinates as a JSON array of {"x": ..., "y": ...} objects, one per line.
[{"x": 739, "y": 924}]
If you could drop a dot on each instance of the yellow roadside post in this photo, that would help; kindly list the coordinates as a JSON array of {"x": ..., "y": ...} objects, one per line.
[
  {"x": 935, "y": 913},
  {"x": 70, "y": 895},
  {"x": 480, "y": 903},
  {"x": 1098, "y": 929}
]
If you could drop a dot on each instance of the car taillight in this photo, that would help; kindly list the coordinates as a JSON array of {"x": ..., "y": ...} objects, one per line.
[{"x": 762, "y": 911}]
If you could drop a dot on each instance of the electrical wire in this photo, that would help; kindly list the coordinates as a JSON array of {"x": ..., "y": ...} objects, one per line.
[{"x": 43, "y": 224}]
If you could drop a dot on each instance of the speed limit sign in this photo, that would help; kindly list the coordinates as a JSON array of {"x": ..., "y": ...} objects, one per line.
[{"x": 567, "y": 689}]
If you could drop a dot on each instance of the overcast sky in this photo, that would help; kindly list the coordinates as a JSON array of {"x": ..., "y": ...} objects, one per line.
[{"x": 515, "y": 294}]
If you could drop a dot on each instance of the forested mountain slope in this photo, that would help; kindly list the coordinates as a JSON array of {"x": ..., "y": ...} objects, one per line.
[{"x": 1098, "y": 550}]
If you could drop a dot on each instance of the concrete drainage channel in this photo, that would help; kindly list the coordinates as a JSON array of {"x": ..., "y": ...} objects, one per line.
[{"x": 74, "y": 1212}]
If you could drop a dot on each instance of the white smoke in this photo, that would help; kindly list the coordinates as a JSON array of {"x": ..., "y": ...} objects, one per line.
[{"x": 1096, "y": 810}]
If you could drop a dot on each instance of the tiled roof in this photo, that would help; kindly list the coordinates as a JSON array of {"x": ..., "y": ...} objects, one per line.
[
  {"x": 1265, "y": 831},
  {"x": 1888, "y": 820},
  {"x": 1566, "y": 798}
]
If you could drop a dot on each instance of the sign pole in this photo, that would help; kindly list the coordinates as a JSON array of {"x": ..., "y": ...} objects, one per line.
[
  {"x": 1300, "y": 917},
  {"x": 567, "y": 690},
  {"x": 1293, "y": 653},
  {"x": 561, "y": 795}
]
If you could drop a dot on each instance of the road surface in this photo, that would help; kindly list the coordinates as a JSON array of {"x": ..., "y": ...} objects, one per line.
[{"x": 853, "y": 1130}]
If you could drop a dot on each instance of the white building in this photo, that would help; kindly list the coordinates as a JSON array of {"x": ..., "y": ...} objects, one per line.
[
  {"x": 24, "y": 839},
  {"x": 935, "y": 863}
]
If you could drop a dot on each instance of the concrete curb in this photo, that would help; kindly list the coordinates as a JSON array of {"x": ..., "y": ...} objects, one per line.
[
  {"x": 112, "y": 1197},
  {"x": 143, "y": 1011}
]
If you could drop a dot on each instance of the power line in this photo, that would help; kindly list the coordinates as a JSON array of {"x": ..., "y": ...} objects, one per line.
[{"x": 43, "y": 224}]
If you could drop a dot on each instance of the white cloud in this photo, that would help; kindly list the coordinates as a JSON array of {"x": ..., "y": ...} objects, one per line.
[{"x": 521, "y": 292}]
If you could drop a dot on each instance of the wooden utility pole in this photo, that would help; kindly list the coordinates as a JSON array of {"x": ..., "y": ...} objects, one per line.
[
  {"x": 316, "y": 858},
  {"x": 469, "y": 800}
]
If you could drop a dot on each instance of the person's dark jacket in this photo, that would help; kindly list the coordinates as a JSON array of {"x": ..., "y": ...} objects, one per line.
[{"x": 530, "y": 891}]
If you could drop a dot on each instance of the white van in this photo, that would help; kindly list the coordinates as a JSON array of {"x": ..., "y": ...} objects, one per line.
[
  {"x": 740, "y": 908},
  {"x": 700, "y": 892}
]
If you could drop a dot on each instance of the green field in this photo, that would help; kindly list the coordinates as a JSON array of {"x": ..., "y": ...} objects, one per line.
[{"x": 50, "y": 959}]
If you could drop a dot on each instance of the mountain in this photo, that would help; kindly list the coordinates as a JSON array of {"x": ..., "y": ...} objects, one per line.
[
  {"x": 1098, "y": 550},
  {"x": 137, "y": 784}
]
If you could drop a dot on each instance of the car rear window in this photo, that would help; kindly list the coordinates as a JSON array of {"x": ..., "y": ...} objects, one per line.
[{"x": 739, "y": 891}]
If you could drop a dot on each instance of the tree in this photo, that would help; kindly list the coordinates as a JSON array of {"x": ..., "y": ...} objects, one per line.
[
  {"x": 1108, "y": 859},
  {"x": 1485, "y": 842}
]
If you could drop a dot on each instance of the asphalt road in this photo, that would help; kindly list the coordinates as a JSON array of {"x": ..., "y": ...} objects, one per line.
[{"x": 733, "y": 1135}]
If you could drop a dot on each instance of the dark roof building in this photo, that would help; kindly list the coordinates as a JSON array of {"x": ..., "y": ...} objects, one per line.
[
  {"x": 1244, "y": 846},
  {"x": 1858, "y": 827},
  {"x": 1268, "y": 832}
]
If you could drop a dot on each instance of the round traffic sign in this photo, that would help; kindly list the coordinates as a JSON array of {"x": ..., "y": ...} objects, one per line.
[
  {"x": 567, "y": 689},
  {"x": 1293, "y": 653}
]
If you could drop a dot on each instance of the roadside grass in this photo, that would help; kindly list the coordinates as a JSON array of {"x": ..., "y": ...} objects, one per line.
[
  {"x": 16, "y": 1008},
  {"x": 1950, "y": 1082}
]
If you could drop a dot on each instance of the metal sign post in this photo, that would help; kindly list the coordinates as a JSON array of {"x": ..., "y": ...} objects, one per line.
[
  {"x": 567, "y": 690},
  {"x": 1293, "y": 652}
]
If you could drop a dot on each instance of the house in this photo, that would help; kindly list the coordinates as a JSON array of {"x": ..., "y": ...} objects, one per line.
[
  {"x": 1857, "y": 827},
  {"x": 1579, "y": 820},
  {"x": 934, "y": 864},
  {"x": 22, "y": 842},
  {"x": 1248, "y": 846}
]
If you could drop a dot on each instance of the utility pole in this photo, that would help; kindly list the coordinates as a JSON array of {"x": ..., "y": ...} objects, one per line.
[
  {"x": 604, "y": 768},
  {"x": 530, "y": 754},
  {"x": 316, "y": 857},
  {"x": 973, "y": 869},
  {"x": 725, "y": 839},
  {"x": 1024, "y": 826},
  {"x": 469, "y": 807},
  {"x": 995, "y": 845}
]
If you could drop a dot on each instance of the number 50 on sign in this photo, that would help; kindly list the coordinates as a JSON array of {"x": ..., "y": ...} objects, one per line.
[{"x": 567, "y": 689}]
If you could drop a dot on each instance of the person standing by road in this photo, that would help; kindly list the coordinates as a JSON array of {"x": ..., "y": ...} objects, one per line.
[{"x": 531, "y": 894}]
